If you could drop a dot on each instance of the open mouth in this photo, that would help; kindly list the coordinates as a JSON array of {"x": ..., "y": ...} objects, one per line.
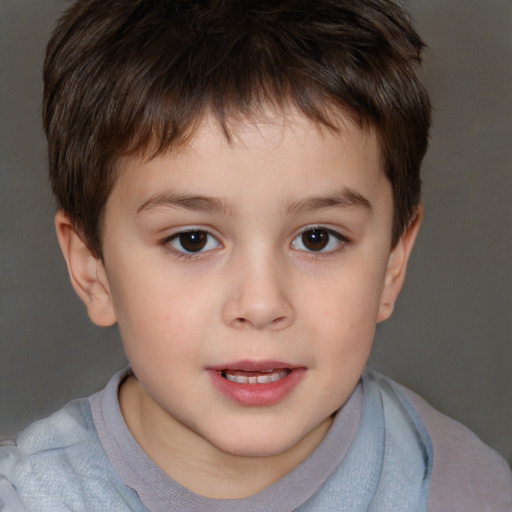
[
  {"x": 252, "y": 377},
  {"x": 256, "y": 383}
]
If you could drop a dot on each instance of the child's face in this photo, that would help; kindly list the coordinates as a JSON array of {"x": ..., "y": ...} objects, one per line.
[{"x": 268, "y": 260}]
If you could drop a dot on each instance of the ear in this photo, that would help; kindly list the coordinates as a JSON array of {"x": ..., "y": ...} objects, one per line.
[
  {"x": 87, "y": 273},
  {"x": 397, "y": 265}
]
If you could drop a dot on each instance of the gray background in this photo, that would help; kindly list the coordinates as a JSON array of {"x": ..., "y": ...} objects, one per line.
[{"x": 450, "y": 336}]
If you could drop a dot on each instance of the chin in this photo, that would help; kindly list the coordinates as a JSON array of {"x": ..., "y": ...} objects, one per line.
[
  {"x": 257, "y": 443},
  {"x": 254, "y": 450}
]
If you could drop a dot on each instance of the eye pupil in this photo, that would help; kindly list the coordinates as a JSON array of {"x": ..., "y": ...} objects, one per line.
[
  {"x": 315, "y": 239},
  {"x": 193, "y": 241}
]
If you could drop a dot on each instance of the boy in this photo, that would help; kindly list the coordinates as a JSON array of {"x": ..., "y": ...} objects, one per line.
[{"x": 238, "y": 188}]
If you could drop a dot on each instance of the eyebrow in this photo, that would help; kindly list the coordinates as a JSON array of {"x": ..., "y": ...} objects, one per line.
[
  {"x": 343, "y": 198},
  {"x": 188, "y": 202}
]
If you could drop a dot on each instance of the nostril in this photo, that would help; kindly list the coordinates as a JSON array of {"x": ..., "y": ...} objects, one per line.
[{"x": 244, "y": 322}]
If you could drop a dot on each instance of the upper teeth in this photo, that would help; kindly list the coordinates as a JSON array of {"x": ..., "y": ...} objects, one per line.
[{"x": 271, "y": 376}]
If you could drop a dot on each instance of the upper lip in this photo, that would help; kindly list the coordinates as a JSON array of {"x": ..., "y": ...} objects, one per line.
[{"x": 254, "y": 366}]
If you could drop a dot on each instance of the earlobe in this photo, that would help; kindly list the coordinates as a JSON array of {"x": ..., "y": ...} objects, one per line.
[
  {"x": 397, "y": 266},
  {"x": 87, "y": 273}
]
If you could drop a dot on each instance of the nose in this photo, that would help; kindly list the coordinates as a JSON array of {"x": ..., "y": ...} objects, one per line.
[{"x": 259, "y": 297}]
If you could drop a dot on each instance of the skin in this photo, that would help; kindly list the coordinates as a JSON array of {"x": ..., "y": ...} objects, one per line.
[{"x": 255, "y": 292}]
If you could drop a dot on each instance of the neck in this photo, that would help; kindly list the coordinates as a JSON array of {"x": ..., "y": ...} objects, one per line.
[{"x": 195, "y": 463}]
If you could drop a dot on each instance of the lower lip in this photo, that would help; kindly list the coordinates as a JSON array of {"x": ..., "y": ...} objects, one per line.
[{"x": 257, "y": 394}]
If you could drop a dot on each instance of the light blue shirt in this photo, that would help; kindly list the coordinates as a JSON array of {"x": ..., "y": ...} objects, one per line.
[{"x": 60, "y": 464}]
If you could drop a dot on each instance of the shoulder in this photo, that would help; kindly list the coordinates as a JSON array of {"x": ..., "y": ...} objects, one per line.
[
  {"x": 58, "y": 463},
  {"x": 467, "y": 474},
  {"x": 45, "y": 458}
]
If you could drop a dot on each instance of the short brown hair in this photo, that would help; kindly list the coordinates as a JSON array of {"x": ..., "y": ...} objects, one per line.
[{"x": 129, "y": 77}]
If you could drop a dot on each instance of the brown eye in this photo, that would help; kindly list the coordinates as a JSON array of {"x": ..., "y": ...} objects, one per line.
[
  {"x": 315, "y": 239},
  {"x": 193, "y": 241},
  {"x": 319, "y": 239}
]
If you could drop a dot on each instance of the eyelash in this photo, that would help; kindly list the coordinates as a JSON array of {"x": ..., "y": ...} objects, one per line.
[
  {"x": 185, "y": 254},
  {"x": 188, "y": 255},
  {"x": 340, "y": 240}
]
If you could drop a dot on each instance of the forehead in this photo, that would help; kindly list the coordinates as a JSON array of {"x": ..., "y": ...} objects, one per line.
[
  {"x": 284, "y": 151},
  {"x": 238, "y": 130},
  {"x": 270, "y": 127}
]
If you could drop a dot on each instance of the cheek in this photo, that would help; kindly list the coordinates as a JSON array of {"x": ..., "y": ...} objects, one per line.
[
  {"x": 146, "y": 290},
  {"x": 147, "y": 307},
  {"x": 341, "y": 317},
  {"x": 162, "y": 317},
  {"x": 347, "y": 302}
]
